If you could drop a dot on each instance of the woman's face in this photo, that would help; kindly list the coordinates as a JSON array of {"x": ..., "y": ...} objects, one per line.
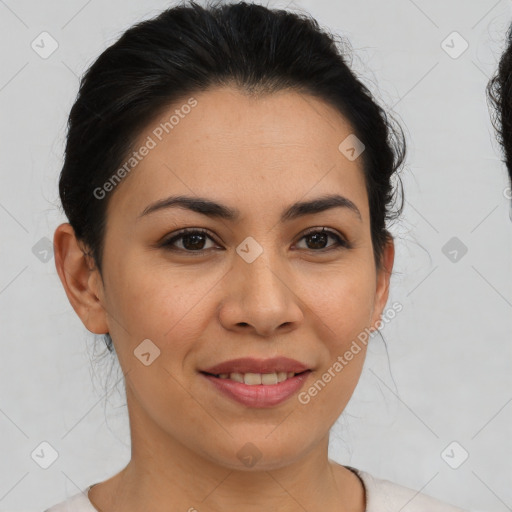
[{"x": 257, "y": 285}]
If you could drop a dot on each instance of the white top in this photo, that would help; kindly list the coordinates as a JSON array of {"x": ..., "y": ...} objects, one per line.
[{"x": 381, "y": 496}]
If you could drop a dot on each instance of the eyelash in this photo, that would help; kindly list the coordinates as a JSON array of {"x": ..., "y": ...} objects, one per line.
[{"x": 341, "y": 243}]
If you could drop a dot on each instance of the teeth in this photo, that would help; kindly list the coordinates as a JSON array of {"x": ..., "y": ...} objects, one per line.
[
  {"x": 252, "y": 379},
  {"x": 269, "y": 378}
]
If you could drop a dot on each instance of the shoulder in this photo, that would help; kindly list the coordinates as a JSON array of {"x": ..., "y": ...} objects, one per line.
[
  {"x": 77, "y": 503},
  {"x": 386, "y": 496}
]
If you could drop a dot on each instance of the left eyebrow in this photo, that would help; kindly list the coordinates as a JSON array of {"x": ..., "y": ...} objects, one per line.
[{"x": 217, "y": 210}]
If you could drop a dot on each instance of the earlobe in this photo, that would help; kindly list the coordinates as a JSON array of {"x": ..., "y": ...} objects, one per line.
[
  {"x": 79, "y": 279},
  {"x": 383, "y": 280}
]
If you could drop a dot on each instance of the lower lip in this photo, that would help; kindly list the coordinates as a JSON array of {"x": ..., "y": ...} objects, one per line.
[{"x": 259, "y": 395}]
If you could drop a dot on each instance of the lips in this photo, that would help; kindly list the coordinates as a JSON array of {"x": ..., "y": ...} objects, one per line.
[
  {"x": 258, "y": 395},
  {"x": 258, "y": 383},
  {"x": 257, "y": 366}
]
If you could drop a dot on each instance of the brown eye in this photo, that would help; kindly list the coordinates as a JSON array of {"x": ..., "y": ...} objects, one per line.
[
  {"x": 192, "y": 240},
  {"x": 317, "y": 240}
]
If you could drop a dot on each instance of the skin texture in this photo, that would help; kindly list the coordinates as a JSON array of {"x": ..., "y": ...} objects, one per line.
[{"x": 299, "y": 299}]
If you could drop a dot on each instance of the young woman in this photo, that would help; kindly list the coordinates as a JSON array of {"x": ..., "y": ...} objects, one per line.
[{"x": 227, "y": 181}]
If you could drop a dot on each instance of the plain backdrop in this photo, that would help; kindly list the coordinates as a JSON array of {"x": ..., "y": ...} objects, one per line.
[{"x": 434, "y": 411}]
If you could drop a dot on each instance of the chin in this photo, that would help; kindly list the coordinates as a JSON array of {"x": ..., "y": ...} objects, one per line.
[{"x": 258, "y": 453}]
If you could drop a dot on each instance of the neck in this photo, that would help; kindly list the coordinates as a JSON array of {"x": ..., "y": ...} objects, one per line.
[{"x": 164, "y": 475}]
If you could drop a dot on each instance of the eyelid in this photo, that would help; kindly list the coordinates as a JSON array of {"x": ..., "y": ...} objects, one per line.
[{"x": 321, "y": 229}]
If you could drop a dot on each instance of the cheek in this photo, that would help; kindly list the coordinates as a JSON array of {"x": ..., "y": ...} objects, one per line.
[
  {"x": 161, "y": 293},
  {"x": 168, "y": 308},
  {"x": 341, "y": 299},
  {"x": 154, "y": 302},
  {"x": 342, "y": 308}
]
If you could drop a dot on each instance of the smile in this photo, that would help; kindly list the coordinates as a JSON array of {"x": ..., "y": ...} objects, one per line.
[
  {"x": 253, "y": 379},
  {"x": 257, "y": 390}
]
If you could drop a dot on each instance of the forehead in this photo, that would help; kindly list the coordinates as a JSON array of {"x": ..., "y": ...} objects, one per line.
[{"x": 226, "y": 145}]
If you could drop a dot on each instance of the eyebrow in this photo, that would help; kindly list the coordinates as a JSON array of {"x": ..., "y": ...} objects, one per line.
[{"x": 217, "y": 210}]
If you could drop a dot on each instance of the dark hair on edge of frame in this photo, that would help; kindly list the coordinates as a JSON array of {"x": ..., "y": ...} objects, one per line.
[
  {"x": 189, "y": 48},
  {"x": 499, "y": 96}
]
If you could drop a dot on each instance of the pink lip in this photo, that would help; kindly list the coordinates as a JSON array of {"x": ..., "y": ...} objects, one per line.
[
  {"x": 259, "y": 395},
  {"x": 251, "y": 365}
]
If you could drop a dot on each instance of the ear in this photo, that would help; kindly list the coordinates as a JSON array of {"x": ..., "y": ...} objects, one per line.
[
  {"x": 383, "y": 278},
  {"x": 81, "y": 280}
]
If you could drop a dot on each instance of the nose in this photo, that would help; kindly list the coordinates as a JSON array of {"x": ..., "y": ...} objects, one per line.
[{"x": 260, "y": 297}]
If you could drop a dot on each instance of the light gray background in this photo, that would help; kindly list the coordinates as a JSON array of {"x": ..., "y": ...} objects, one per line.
[{"x": 449, "y": 373}]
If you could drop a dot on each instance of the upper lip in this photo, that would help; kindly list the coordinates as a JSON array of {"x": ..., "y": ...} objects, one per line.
[{"x": 252, "y": 365}]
